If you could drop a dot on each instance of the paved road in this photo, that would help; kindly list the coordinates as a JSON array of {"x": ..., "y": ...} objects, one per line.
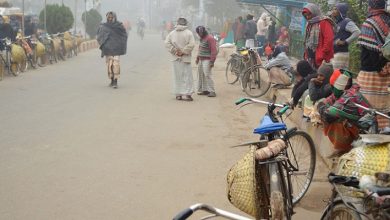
[{"x": 73, "y": 148}]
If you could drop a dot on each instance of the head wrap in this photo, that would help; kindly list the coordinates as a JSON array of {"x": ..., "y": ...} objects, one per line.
[
  {"x": 326, "y": 70},
  {"x": 304, "y": 68},
  {"x": 201, "y": 31},
  {"x": 113, "y": 15},
  {"x": 182, "y": 21},
  {"x": 343, "y": 9},
  {"x": 341, "y": 80},
  {"x": 277, "y": 50},
  {"x": 312, "y": 9},
  {"x": 377, "y": 4}
]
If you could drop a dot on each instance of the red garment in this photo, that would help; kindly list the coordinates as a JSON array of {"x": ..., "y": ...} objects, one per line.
[
  {"x": 208, "y": 48},
  {"x": 324, "y": 50}
]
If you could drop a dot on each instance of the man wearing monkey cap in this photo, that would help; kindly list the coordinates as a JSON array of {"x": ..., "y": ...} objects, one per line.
[{"x": 180, "y": 43}]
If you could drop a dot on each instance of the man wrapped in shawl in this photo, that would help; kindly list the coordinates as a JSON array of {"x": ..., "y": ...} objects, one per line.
[
  {"x": 319, "y": 34},
  {"x": 372, "y": 78},
  {"x": 112, "y": 38},
  {"x": 339, "y": 113}
]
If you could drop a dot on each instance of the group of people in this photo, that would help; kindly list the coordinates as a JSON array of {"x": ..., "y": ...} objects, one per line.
[
  {"x": 322, "y": 81},
  {"x": 112, "y": 38},
  {"x": 260, "y": 33}
]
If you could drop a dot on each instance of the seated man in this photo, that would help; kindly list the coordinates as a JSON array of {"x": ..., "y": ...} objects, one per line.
[
  {"x": 339, "y": 113},
  {"x": 278, "y": 67}
]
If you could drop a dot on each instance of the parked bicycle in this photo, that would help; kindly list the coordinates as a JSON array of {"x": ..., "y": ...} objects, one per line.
[
  {"x": 300, "y": 150},
  {"x": 246, "y": 67},
  {"x": 8, "y": 61},
  {"x": 373, "y": 202},
  {"x": 186, "y": 213}
]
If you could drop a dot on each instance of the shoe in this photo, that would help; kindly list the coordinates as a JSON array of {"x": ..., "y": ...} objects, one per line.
[
  {"x": 115, "y": 84},
  {"x": 178, "y": 97},
  {"x": 212, "y": 94},
  {"x": 203, "y": 93},
  {"x": 187, "y": 98}
]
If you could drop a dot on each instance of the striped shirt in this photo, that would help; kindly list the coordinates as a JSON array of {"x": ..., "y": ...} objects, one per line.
[{"x": 207, "y": 48}]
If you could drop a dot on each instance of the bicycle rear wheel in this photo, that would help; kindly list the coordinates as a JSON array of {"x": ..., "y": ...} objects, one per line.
[
  {"x": 302, "y": 156},
  {"x": 340, "y": 212},
  {"x": 231, "y": 76},
  {"x": 256, "y": 81},
  {"x": 23, "y": 65},
  {"x": 14, "y": 68}
]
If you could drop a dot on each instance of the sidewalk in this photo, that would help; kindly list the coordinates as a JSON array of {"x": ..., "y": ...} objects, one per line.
[{"x": 323, "y": 145}]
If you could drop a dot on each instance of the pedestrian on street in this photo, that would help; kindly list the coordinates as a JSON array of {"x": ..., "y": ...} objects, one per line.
[
  {"x": 262, "y": 29},
  {"x": 205, "y": 60},
  {"x": 347, "y": 32},
  {"x": 112, "y": 38},
  {"x": 374, "y": 76},
  {"x": 318, "y": 43},
  {"x": 250, "y": 31},
  {"x": 180, "y": 43}
]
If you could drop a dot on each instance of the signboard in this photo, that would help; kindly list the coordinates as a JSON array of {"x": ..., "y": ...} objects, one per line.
[{"x": 296, "y": 20}]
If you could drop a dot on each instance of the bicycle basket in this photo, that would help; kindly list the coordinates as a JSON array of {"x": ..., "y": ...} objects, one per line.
[
  {"x": 40, "y": 48},
  {"x": 17, "y": 53},
  {"x": 364, "y": 160},
  {"x": 245, "y": 187}
]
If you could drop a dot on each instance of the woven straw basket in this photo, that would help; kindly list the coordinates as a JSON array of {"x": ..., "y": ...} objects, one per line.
[
  {"x": 365, "y": 160},
  {"x": 40, "y": 48},
  {"x": 245, "y": 187},
  {"x": 17, "y": 53}
]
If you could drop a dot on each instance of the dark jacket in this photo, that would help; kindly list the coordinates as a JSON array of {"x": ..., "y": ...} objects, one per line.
[
  {"x": 250, "y": 29},
  {"x": 301, "y": 87},
  {"x": 6, "y": 31},
  {"x": 112, "y": 38}
]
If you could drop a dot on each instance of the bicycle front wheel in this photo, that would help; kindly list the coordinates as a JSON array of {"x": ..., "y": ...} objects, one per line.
[
  {"x": 340, "y": 212},
  {"x": 256, "y": 81},
  {"x": 230, "y": 74},
  {"x": 302, "y": 159}
]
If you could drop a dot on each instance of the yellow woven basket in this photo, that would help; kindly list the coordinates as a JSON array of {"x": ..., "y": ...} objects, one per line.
[
  {"x": 17, "y": 53},
  {"x": 40, "y": 49},
  {"x": 365, "y": 160},
  {"x": 245, "y": 187}
]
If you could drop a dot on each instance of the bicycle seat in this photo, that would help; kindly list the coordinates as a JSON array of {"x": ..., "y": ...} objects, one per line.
[{"x": 268, "y": 126}]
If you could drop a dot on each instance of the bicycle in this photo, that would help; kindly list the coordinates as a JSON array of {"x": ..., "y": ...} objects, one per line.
[
  {"x": 244, "y": 67},
  {"x": 373, "y": 202},
  {"x": 6, "y": 59},
  {"x": 368, "y": 123}
]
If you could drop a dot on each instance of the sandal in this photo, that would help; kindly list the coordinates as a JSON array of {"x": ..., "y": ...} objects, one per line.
[
  {"x": 188, "y": 98},
  {"x": 178, "y": 97}
]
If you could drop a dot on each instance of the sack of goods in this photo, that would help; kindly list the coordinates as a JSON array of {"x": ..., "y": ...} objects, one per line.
[
  {"x": 17, "y": 53},
  {"x": 365, "y": 160},
  {"x": 40, "y": 49},
  {"x": 56, "y": 44}
]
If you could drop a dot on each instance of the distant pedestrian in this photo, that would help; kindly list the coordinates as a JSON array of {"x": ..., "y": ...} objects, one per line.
[
  {"x": 180, "y": 43},
  {"x": 262, "y": 31},
  {"x": 347, "y": 32},
  {"x": 238, "y": 28},
  {"x": 250, "y": 31},
  {"x": 374, "y": 76},
  {"x": 318, "y": 43},
  {"x": 205, "y": 60},
  {"x": 112, "y": 38}
]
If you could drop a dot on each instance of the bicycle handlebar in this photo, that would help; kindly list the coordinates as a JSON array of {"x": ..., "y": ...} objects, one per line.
[
  {"x": 283, "y": 109},
  {"x": 218, "y": 212},
  {"x": 372, "y": 110}
]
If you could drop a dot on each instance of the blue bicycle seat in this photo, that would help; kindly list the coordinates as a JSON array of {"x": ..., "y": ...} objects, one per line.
[{"x": 268, "y": 126}]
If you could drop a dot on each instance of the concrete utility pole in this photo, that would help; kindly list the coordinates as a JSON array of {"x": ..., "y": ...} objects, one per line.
[
  {"x": 22, "y": 18},
  {"x": 85, "y": 17},
  {"x": 75, "y": 17},
  {"x": 44, "y": 17}
]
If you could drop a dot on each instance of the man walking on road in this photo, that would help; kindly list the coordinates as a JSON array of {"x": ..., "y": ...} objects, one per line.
[
  {"x": 180, "y": 43},
  {"x": 112, "y": 38},
  {"x": 205, "y": 60}
]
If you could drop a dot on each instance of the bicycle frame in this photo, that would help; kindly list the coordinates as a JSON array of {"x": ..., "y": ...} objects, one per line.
[{"x": 214, "y": 211}]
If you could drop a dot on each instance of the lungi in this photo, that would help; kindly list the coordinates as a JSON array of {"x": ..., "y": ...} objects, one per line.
[{"x": 375, "y": 89}]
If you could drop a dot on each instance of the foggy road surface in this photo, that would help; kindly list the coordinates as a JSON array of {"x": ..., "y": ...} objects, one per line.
[{"x": 73, "y": 148}]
